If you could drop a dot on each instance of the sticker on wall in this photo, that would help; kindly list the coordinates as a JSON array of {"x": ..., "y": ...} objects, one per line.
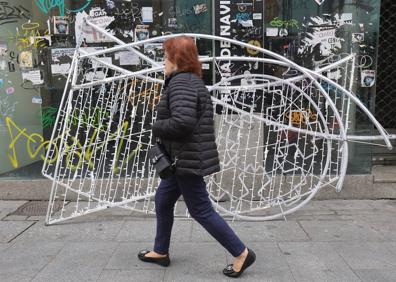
[
  {"x": 172, "y": 22},
  {"x": 361, "y": 26},
  {"x": 272, "y": 31},
  {"x": 368, "y": 78},
  {"x": 147, "y": 14},
  {"x": 257, "y": 16},
  {"x": 61, "y": 25},
  {"x": 10, "y": 90},
  {"x": 33, "y": 76},
  {"x": 200, "y": 9},
  {"x": 3, "y": 54},
  {"x": 154, "y": 50},
  {"x": 357, "y": 37},
  {"x": 3, "y": 49},
  {"x": 141, "y": 32},
  {"x": 3, "y": 65},
  {"x": 127, "y": 58},
  {"x": 283, "y": 32},
  {"x": 26, "y": 59},
  {"x": 37, "y": 100},
  {"x": 334, "y": 74},
  {"x": 110, "y": 4},
  {"x": 254, "y": 42},
  {"x": 244, "y": 19}
]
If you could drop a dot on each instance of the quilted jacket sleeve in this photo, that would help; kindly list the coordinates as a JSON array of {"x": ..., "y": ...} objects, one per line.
[{"x": 183, "y": 111}]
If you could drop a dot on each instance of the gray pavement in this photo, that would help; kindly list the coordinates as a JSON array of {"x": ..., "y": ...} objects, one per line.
[{"x": 332, "y": 240}]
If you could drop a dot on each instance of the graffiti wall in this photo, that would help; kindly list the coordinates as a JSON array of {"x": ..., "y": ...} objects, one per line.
[{"x": 37, "y": 40}]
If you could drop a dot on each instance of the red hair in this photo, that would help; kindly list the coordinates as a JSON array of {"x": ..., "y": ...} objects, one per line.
[{"x": 183, "y": 52}]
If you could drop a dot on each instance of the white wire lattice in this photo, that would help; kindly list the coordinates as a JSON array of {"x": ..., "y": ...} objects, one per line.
[{"x": 282, "y": 135}]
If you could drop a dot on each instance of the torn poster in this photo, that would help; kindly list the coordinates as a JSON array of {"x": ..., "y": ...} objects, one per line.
[
  {"x": 98, "y": 17},
  {"x": 33, "y": 76},
  {"x": 321, "y": 38}
]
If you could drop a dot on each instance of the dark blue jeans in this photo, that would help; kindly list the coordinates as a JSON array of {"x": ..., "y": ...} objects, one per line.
[{"x": 196, "y": 197}]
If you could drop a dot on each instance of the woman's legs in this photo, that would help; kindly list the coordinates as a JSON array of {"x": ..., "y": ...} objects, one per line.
[
  {"x": 165, "y": 198},
  {"x": 200, "y": 207}
]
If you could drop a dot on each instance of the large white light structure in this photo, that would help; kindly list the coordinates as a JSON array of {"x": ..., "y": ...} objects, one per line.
[{"x": 282, "y": 132}]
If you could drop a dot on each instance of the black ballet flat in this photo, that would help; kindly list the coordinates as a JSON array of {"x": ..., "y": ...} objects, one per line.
[
  {"x": 165, "y": 261},
  {"x": 229, "y": 271}
]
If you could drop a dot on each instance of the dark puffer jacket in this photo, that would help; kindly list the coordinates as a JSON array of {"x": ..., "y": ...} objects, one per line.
[{"x": 188, "y": 99}]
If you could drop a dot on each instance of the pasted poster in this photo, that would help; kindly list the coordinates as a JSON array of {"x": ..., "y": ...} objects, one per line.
[
  {"x": 61, "y": 59},
  {"x": 323, "y": 36},
  {"x": 97, "y": 16}
]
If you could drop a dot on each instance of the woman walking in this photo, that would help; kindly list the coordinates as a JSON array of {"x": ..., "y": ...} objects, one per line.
[{"x": 186, "y": 128}]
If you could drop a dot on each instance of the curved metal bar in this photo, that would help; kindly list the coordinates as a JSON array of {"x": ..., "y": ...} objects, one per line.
[
  {"x": 242, "y": 44},
  {"x": 379, "y": 127}
]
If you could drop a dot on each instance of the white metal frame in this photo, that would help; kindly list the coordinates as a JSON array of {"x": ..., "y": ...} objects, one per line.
[{"x": 316, "y": 136}]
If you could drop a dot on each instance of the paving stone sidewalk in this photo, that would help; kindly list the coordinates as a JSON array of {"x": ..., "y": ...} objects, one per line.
[{"x": 333, "y": 240}]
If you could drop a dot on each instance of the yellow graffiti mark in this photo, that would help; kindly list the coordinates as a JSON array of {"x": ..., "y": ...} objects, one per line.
[
  {"x": 301, "y": 117},
  {"x": 29, "y": 36},
  {"x": 152, "y": 94},
  {"x": 12, "y": 154},
  {"x": 73, "y": 151}
]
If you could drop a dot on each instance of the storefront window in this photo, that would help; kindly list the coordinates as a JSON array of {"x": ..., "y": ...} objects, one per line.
[
  {"x": 37, "y": 41},
  {"x": 313, "y": 33}
]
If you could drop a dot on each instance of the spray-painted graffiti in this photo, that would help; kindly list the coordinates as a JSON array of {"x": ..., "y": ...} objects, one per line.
[
  {"x": 47, "y": 5},
  {"x": 300, "y": 118},
  {"x": 30, "y": 36},
  {"x": 277, "y": 22},
  {"x": 10, "y": 13},
  {"x": 7, "y": 107},
  {"x": 151, "y": 94},
  {"x": 15, "y": 133},
  {"x": 48, "y": 116},
  {"x": 92, "y": 118},
  {"x": 36, "y": 146}
]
